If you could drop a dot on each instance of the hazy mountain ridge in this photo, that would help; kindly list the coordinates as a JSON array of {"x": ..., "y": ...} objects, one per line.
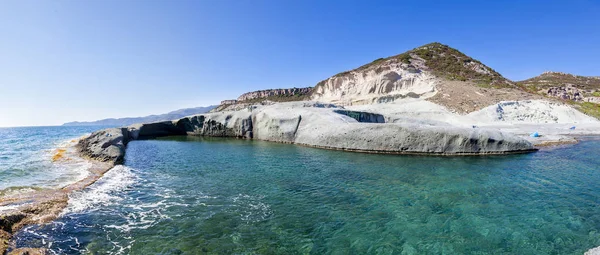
[{"x": 177, "y": 114}]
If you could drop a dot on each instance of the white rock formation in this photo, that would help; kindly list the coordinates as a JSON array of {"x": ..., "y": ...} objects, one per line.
[
  {"x": 312, "y": 124},
  {"x": 381, "y": 83},
  {"x": 594, "y": 251},
  {"x": 414, "y": 111},
  {"x": 531, "y": 111}
]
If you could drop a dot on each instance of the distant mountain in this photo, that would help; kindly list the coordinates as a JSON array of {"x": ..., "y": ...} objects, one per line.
[{"x": 151, "y": 118}]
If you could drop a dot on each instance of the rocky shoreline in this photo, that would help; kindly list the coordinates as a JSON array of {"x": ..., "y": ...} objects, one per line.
[
  {"x": 312, "y": 124},
  {"x": 305, "y": 123},
  {"x": 40, "y": 207}
]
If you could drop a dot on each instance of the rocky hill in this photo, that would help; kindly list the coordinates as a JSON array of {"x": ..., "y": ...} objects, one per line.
[
  {"x": 564, "y": 86},
  {"x": 277, "y": 95},
  {"x": 435, "y": 71},
  {"x": 581, "y": 91},
  {"x": 267, "y": 96},
  {"x": 588, "y": 84}
]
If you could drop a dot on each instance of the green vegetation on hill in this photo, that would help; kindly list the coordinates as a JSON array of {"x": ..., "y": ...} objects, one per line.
[
  {"x": 445, "y": 62},
  {"x": 588, "y": 108},
  {"x": 587, "y": 87},
  {"x": 590, "y": 85},
  {"x": 454, "y": 65}
]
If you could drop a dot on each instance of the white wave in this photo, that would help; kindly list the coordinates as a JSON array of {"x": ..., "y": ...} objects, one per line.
[
  {"x": 70, "y": 172},
  {"x": 68, "y": 168},
  {"x": 104, "y": 192},
  {"x": 251, "y": 208},
  {"x": 144, "y": 215},
  {"x": 52, "y": 168},
  {"x": 8, "y": 208}
]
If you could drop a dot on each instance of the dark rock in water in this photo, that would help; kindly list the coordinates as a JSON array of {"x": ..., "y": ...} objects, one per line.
[
  {"x": 106, "y": 145},
  {"x": 153, "y": 130},
  {"x": 6, "y": 228},
  {"x": 33, "y": 208}
]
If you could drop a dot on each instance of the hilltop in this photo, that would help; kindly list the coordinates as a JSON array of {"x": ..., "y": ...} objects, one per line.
[
  {"x": 436, "y": 72},
  {"x": 439, "y": 74},
  {"x": 443, "y": 61},
  {"x": 588, "y": 84}
]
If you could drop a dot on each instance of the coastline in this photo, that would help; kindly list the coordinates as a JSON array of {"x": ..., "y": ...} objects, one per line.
[
  {"x": 42, "y": 206},
  {"x": 307, "y": 124}
]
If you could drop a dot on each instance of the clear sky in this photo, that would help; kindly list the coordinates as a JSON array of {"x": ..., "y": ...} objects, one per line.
[{"x": 86, "y": 60}]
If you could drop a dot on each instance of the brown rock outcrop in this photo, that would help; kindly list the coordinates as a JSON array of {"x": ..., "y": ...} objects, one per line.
[
  {"x": 568, "y": 92},
  {"x": 264, "y": 94},
  {"x": 227, "y": 102}
]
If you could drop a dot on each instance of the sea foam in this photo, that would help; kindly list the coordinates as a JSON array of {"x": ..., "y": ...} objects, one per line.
[{"x": 104, "y": 192}]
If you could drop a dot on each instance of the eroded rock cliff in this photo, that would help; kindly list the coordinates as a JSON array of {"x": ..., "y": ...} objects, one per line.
[
  {"x": 416, "y": 73},
  {"x": 317, "y": 125},
  {"x": 291, "y": 94}
]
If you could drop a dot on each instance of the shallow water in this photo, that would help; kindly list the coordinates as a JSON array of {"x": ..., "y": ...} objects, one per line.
[
  {"x": 26, "y": 158},
  {"x": 224, "y": 196}
]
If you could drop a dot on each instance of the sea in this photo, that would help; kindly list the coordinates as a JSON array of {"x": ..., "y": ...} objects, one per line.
[{"x": 192, "y": 195}]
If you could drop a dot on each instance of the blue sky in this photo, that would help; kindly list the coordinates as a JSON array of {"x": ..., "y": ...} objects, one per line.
[{"x": 85, "y": 60}]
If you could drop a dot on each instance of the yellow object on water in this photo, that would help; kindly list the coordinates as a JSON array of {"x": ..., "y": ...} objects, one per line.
[{"x": 59, "y": 154}]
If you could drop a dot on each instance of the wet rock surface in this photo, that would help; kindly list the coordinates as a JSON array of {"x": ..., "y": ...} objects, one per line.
[
  {"x": 29, "y": 251},
  {"x": 42, "y": 206}
]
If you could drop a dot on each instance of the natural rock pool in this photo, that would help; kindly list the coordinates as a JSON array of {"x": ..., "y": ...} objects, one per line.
[{"x": 189, "y": 195}]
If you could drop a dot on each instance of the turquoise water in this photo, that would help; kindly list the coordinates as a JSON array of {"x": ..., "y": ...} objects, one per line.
[
  {"x": 225, "y": 196},
  {"x": 26, "y": 153}
]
